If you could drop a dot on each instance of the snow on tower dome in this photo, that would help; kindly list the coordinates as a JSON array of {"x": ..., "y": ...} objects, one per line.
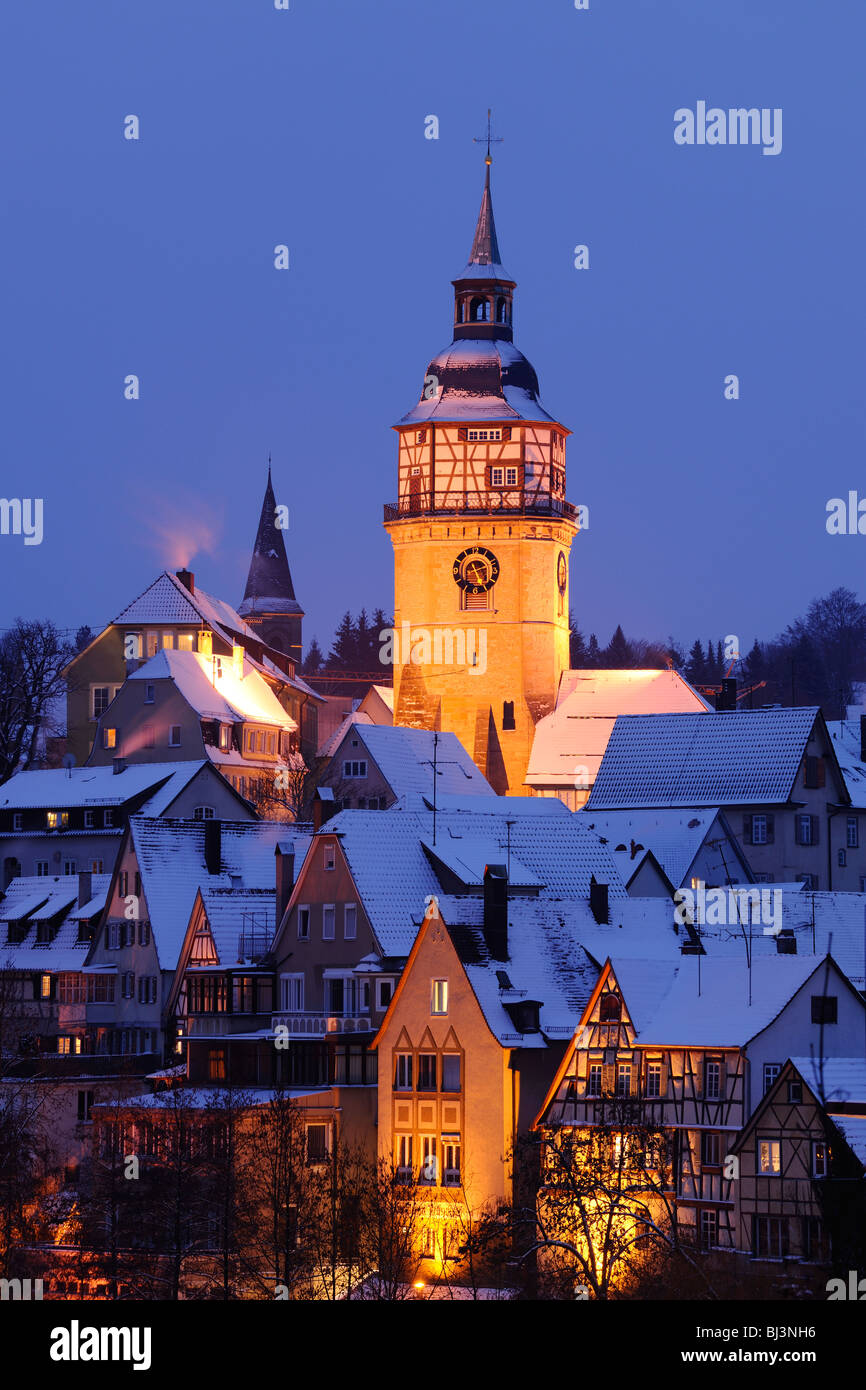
[{"x": 481, "y": 375}]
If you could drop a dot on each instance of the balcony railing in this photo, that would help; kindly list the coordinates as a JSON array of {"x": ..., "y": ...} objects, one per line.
[
  {"x": 309, "y": 1024},
  {"x": 454, "y": 503}
]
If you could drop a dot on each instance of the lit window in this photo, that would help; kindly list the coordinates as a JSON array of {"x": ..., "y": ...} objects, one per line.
[
  {"x": 770, "y": 1157},
  {"x": 225, "y": 736},
  {"x": 168, "y": 640},
  {"x": 439, "y": 1004},
  {"x": 109, "y": 738},
  {"x": 45, "y": 987},
  {"x": 820, "y": 1160},
  {"x": 451, "y": 1160},
  {"x": 186, "y": 641},
  {"x": 429, "y": 1166},
  {"x": 403, "y": 1157}
]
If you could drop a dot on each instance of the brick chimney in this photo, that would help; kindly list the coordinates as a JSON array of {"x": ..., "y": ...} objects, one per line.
[
  {"x": 496, "y": 910},
  {"x": 187, "y": 579},
  {"x": 85, "y": 891},
  {"x": 598, "y": 901},
  {"x": 212, "y": 845},
  {"x": 285, "y": 857},
  {"x": 118, "y": 765}
]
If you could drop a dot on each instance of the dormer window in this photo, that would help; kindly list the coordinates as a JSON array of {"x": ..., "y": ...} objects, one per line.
[{"x": 611, "y": 1009}]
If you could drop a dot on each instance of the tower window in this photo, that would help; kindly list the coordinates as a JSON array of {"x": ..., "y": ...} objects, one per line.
[
  {"x": 460, "y": 312},
  {"x": 501, "y": 310},
  {"x": 479, "y": 310},
  {"x": 508, "y": 714}
]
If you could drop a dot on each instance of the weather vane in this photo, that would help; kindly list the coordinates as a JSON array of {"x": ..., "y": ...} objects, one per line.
[{"x": 489, "y": 137}]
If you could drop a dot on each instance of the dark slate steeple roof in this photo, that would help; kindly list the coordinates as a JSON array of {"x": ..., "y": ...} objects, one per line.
[
  {"x": 269, "y": 583},
  {"x": 484, "y": 259}
]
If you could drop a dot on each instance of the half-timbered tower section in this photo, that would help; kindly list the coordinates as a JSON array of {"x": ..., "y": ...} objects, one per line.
[
  {"x": 481, "y": 533},
  {"x": 692, "y": 1046}
]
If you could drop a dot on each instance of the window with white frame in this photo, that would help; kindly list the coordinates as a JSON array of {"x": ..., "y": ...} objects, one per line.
[
  {"x": 127, "y": 984},
  {"x": 712, "y": 1079},
  {"x": 771, "y": 1071},
  {"x": 852, "y": 832},
  {"x": 439, "y": 997},
  {"x": 174, "y": 736},
  {"x": 149, "y": 692},
  {"x": 18, "y": 820},
  {"x": 384, "y": 991},
  {"x": 41, "y": 868},
  {"x": 350, "y": 922},
  {"x": 709, "y": 1227},
  {"x": 429, "y": 1174},
  {"x": 70, "y": 866},
  {"x": 770, "y": 1157},
  {"x": 89, "y": 820},
  {"x": 329, "y": 856},
  {"x": 100, "y": 699},
  {"x": 203, "y": 813},
  {"x": 403, "y": 1157},
  {"x": 402, "y": 1071},
  {"x": 329, "y": 918},
  {"x": 108, "y": 819},
  {"x": 593, "y": 1079},
  {"x": 759, "y": 829},
  {"x": 292, "y": 988},
  {"x": 451, "y": 1160}
]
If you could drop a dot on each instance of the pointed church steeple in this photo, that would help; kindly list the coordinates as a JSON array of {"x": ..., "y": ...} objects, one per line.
[
  {"x": 269, "y": 604},
  {"x": 484, "y": 291}
]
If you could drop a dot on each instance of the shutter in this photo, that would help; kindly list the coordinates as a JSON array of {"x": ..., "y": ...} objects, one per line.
[
  {"x": 608, "y": 1079},
  {"x": 815, "y": 829},
  {"x": 663, "y": 1079},
  {"x": 747, "y": 829},
  {"x": 822, "y": 771},
  {"x": 461, "y": 434},
  {"x": 722, "y": 1078},
  {"x": 697, "y": 1076},
  {"x": 771, "y": 820}
]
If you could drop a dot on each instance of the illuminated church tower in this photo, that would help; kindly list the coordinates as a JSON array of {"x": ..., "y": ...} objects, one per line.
[{"x": 481, "y": 533}]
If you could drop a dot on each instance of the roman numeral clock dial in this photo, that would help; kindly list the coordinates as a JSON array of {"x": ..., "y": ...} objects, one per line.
[{"x": 475, "y": 570}]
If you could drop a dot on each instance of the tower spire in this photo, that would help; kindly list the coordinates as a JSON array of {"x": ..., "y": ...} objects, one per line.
[{"x": 269, "y": 604}]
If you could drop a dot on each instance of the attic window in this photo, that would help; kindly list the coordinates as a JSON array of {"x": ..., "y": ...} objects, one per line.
[
  {"x": 611, "y": 1009},
  {"x": 203, "y": 813},
  {"x": 484, "y": 434},
  {"x": 355, "y": 768}
]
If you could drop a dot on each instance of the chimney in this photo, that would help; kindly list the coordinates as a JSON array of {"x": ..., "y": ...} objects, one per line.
[
  {"x": 727, "y": 696},
  {"x": 786, "y": 942},
  {"x": 187, "y": 579},
  {"x": 118, "y": 765},
  {"x": 212, "y": 845},
  {"x": 863, "y": 738},
  {"x": 285, "y": 856},
  {"x": 85, "y": 892},
  {"x": 496, "y": 910},
  {"x": 598, "y": 901}
]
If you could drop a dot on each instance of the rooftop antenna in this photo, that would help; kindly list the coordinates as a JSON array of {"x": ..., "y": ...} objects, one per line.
[
  {"x": 69, "y": 763},
  {"x": 509, "y": 824},
  {"x": 489, "y": 138},
  {"x": 433, "y": 762}
]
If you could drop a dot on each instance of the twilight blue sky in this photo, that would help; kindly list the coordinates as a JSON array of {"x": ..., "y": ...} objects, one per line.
[{"x": 258, "y": 127}]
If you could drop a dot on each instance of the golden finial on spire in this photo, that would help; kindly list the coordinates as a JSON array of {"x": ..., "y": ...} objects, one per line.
[{"x": 489, "y": 138}]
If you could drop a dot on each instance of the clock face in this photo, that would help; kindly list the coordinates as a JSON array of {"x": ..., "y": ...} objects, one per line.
[
  {"x": 475, "y": 570},
  {"x": 561, "y": 572}
]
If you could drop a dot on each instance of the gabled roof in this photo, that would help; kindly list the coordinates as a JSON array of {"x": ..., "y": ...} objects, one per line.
[
  {"x": 708, "y": 1004},
  {"x": 171, "y": 860},
  {"x": 209, "y": 685},
  {"x": 569, "y": 742},
  {"x": 394, "y": 874},
  {"x": 167, "y": 600},
  {"x": 60, "y": 789},
  {"x": 673, "y": 835},
  {"x": 405, "y": 759},
  {"x": 846, "y": 745},
  {"x": 727, "y": 759},
  {"x": 236, "y": 914},
  {"x": 834, "y": 1080}
]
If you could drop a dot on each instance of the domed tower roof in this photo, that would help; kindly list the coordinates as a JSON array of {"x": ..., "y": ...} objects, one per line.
[{"x": 481, "y": 374}]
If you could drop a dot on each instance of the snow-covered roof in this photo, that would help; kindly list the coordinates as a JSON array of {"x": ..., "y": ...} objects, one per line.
[
  {"x": 171, "y": 860},
  {"x": 405, "y": 759},
  {"x": 834, "y": 1080},
  {"x": 673, "y": 835},
  {"x": 727, "y": 759},
  {"x": 846, "y": 745},
  {"x": 233, "y": 914},
  {"x": 167, "y": 600},
  {"x": 333, "y": 741},
  {"x": 707, "y": 1003},
  {"x": 38, "y": 899},
  {"x": 480, "y": 379},
  {"x": 853, "y": 1129},
  {"x": 59, "y": 789},
  {"x": 569, "y": 742},
  {"x": 394, "y": 874},
  {"x": 211, "y": 687},
  {"x": 822, "y": 924}
]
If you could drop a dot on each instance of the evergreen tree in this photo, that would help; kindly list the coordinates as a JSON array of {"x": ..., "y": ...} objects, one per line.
[
  {"x": 619, "y": 654},
  {"x": 343, "y": 654},
  {"x": 696, "y": 667},
  {"x": 577, "y": 655},
  {"x": 83, "y": 637},
  {"x": 313, "y": 660},
  {"x": 593, "y": 655}
]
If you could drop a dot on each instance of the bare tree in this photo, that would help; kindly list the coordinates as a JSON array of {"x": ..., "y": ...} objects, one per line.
[{"x": 33, "y": 655}]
